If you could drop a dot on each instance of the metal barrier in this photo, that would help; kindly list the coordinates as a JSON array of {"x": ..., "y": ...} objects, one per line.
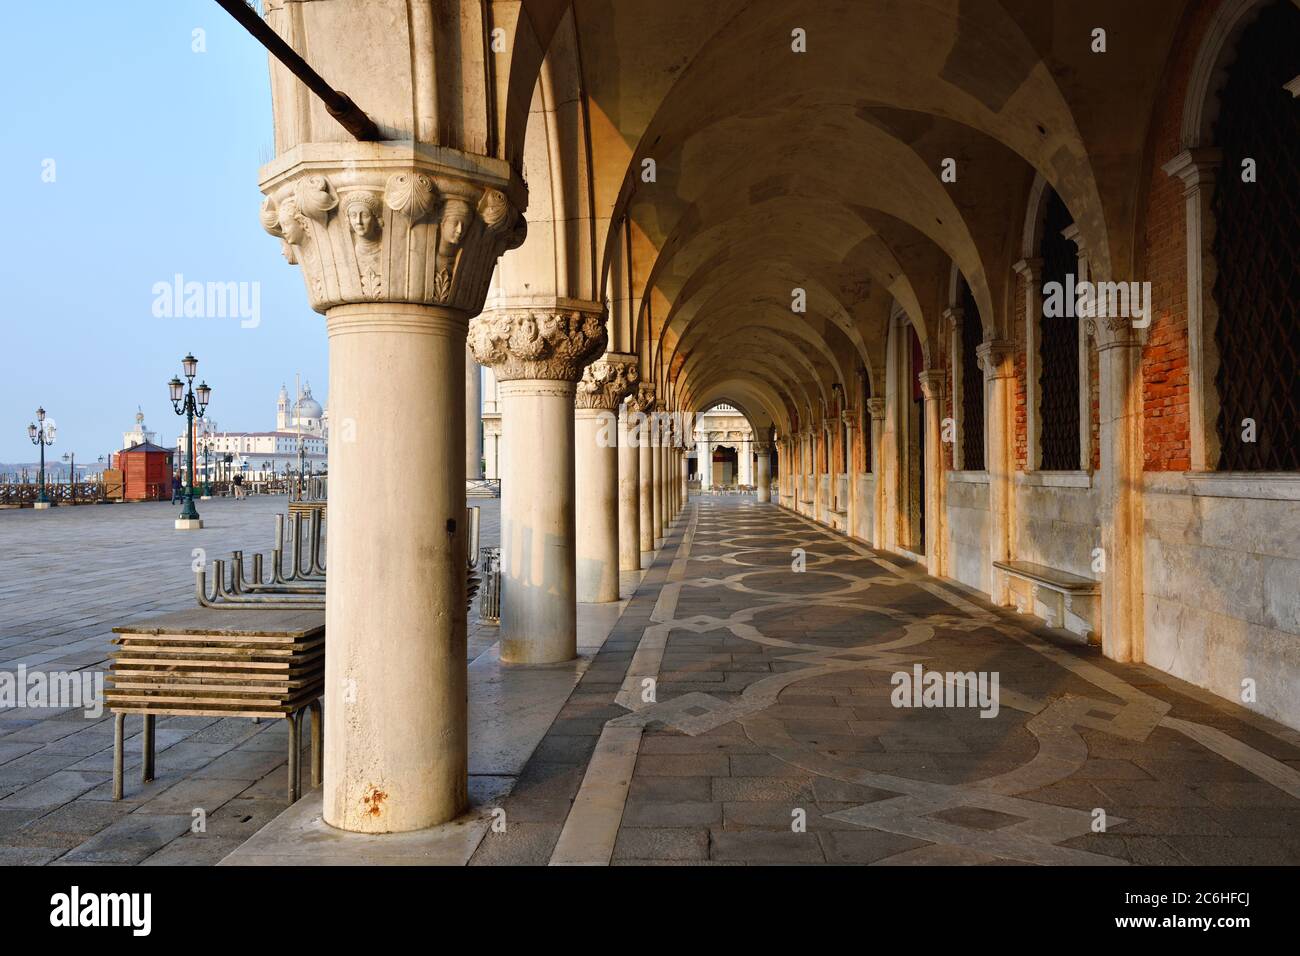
[
  {"x": 303, "y": 587},
  {"x": 489, "y": 605},
  {"x": 482, "y": 487}
]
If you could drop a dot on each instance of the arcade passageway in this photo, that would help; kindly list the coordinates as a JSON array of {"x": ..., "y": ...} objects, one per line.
[
  {"x": 773, "y": 704},
  {"x": 1005, "y": 293}
]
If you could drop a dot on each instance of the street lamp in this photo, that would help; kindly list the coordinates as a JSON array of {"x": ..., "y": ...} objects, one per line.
[
  {"x": 41, "y": 434},
  {"x": 192, "y": 403},
  {"x": 71, "y": 458}
]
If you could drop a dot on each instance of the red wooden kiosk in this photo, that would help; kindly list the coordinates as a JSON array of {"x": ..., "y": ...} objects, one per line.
[{"x": 146, "y": 472}]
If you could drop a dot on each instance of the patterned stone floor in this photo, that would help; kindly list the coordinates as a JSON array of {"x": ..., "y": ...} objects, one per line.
[
  {"x": 741, "y": 712},
  {"x": 67, "y": 576}
]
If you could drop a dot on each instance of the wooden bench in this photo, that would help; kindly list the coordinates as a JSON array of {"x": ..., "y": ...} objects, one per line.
[
  {"x": 307, "y": 507},
  {"x": 1061, "y": 599},
  {"x": 204, "y": 663}
]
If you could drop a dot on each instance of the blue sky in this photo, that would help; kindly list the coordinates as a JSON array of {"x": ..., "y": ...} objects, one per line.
[{"x": 156, "y": 150}]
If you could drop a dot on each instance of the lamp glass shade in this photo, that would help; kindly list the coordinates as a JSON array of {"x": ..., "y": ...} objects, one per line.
[
  {"x": 177, "y": 389},
  {"x": 204, "y": 393},
  {"x": 40, "y": 414},
  {"x": 190, "y": 364},
  {"x": 31, "y": 431}
]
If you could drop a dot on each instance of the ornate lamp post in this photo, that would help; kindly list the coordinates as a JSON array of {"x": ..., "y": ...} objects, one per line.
[
  {"x": 192, "y": 403},
  {"x": 41, "y": 435},
  {"x": 207, "y": 474},
  {"x": 71, "y": 458}
]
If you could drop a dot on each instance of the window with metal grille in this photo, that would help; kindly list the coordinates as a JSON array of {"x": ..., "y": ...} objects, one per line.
[
  {"x": 972, "y": 383},
  {"x": 1257, "y": 250},
  {"x": 1058, "y": 349}
]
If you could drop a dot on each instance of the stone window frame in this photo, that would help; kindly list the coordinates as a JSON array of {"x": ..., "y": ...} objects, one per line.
[
  {"x": 1196, "y": 165},
  {"x": 1029, "y": 268}
]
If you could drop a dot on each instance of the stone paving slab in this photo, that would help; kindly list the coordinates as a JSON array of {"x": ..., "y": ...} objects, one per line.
[
  {"x": 71, "y": 574},
  {"x": 772, "y": 737}
]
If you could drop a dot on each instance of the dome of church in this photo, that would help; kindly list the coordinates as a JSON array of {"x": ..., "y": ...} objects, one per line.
[{"x": 307, "y": 407}]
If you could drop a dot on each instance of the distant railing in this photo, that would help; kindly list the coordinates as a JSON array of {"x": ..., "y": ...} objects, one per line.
[
  {"x": 19, "y": 493},
  {"x": 482, "y": 487}
]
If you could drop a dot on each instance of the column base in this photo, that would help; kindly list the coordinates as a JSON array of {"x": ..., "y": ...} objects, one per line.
[
  {"x": 41, "y": 505},
  {"x": 189, "y": 524}
]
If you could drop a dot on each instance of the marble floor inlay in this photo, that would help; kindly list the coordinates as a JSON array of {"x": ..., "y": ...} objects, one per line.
[{"x": 742, "y": 712}]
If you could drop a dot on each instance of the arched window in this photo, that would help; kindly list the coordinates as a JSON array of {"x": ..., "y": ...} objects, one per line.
[
  {"x": 972, "y": 383},
  {"x": 1058, "y": 346},
  {"x": 1256, "y": 250}
]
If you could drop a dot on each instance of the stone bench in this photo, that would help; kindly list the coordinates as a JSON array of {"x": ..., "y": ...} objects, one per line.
[
  {"x": 1061, "y": 599},
  {"x": 204, "y": 663}
]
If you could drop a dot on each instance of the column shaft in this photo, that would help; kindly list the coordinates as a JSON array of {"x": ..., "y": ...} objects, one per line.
[
  {"x": 657, "y": 486},
  {"x": 764, "y": 473},
  {"x": 395, "y": 717},
  {"x": 629, "y": 495},
  {"x": 646, "y": 480},
  {"x": 596, "y": 482},
  {"x": 538, "y": 589},
  {"x": 473, "y": 418}
]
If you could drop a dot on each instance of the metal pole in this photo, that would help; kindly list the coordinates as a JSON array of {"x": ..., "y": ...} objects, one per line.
[{"x": 350, "y": 116}]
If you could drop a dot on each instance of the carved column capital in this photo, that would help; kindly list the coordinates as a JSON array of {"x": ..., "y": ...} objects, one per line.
[
  {"x": 876, "y": 406},
  {"x": 1031, "y": 269},
  {"x": 763, "y": 447},
  {"x": 1196, "y": 167},
  {"x": 931, "y": 384},
  {"x": 849, "y": 418},
  {"x": 605, "y": 381},
  {"x": 555, "y": 342},
  {"x": 996, "y": 359},
  {"x": 377, "y": 222},
  {"x": 954, "y": 315},
  {"x": 642, "y": 401}
]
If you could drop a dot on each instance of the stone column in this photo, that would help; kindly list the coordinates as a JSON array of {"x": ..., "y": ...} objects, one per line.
[
  {"x": 849, "y": 423},
  {"x": 764, "y": 451},
  {"x": 473, "y": 418},
  {"x": 876, "y": 406},
  {"x": 1122, "y": 624},
  {"x": 1031, "y": 273},
  {"x": 704, "y": 462},
  {"x": 645, "y": 495},
  {"x": 1197, "y": 168},
  {"x": 491, "y": 445},
  {"x": 662, "y": 487},
  {"x": 601, "y": 390},
  {"x": 538, "y": 352},
  {"x": 683, "y": 478},
  {"x": 397, "y": 246},
  {"x": 629, "y": 487},
  {"x": 656, "y": 478},
  {"x": 932, "y": 391},
  {"x": 744, "y": 462},
  {"x": 997, "y": 359}
]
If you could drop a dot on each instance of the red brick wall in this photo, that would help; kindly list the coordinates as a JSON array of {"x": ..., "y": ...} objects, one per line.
[{"x": 1165, "y": 395}]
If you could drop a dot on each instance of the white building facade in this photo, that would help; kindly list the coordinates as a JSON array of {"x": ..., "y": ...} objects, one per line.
[{"x": 300, "y": 441}]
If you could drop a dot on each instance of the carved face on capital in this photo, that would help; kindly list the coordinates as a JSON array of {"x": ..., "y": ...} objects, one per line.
[
  {"x": 361, "y": 218},
  {"x": 292, "y": 225},
  {"x": 455, "y": 221}
]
